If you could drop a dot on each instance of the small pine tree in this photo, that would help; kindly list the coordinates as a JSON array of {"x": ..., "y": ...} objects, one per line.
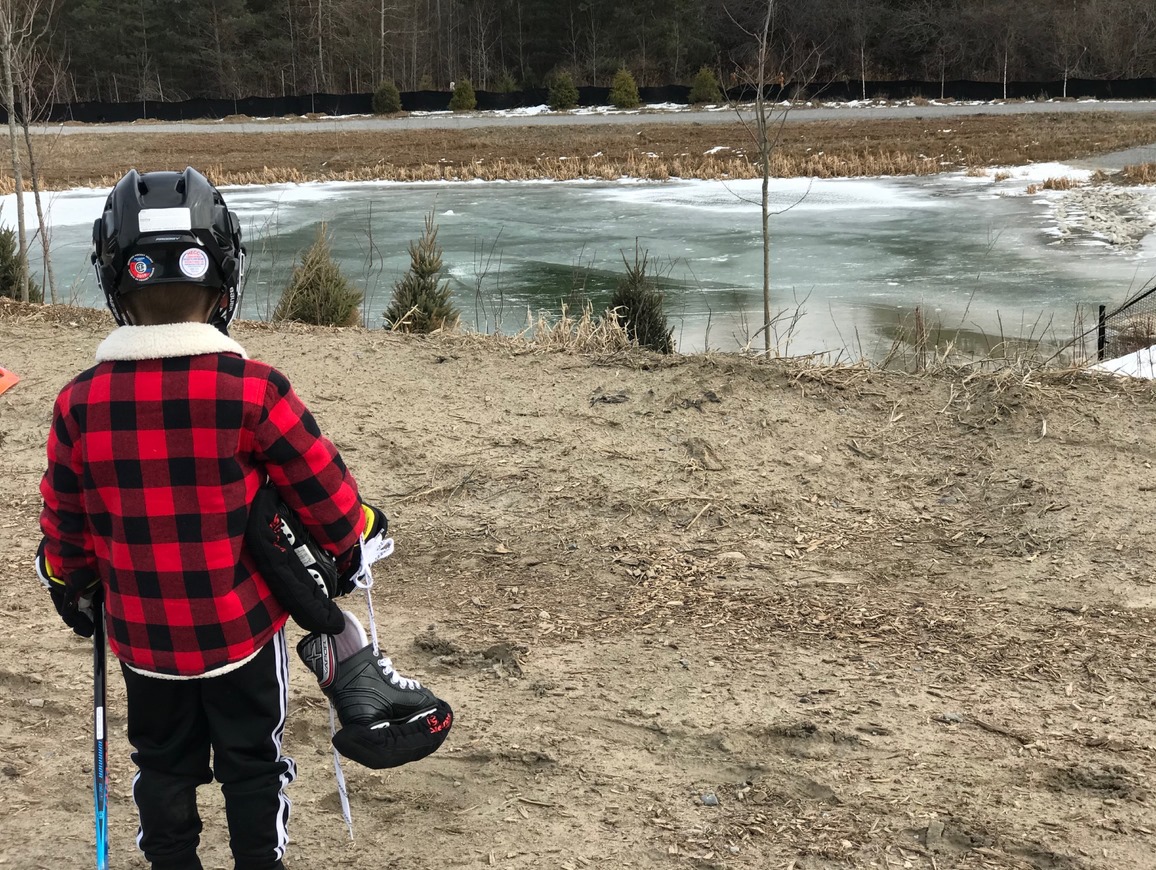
[
  {"x": 421, "y": 302},
  {"x": 563, "y": 93},
  {"x": 624, "y": 90},
  {"x": 505, "y": 83},
  {"x": 386, "y": 99},
  {"x": 12, "y": 269},
  {"x": 318, "y": 291},
  {"x": 637, "y": 304},
  {"x": 464, "y": 98},
  {"x": 705, "y": 88}
]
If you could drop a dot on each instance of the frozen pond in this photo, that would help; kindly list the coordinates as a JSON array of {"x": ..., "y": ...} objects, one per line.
[{"x": 855, "y": 256}]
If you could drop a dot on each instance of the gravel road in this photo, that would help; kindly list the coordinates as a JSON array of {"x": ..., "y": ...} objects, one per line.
[{"x": 681, "y": 116}]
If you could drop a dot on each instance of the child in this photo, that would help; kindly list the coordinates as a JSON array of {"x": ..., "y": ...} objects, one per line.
[{"x": 154, "y": 457}]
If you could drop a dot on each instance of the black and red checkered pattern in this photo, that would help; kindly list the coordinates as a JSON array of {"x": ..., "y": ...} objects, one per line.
[{"x": 152, "y": 466}]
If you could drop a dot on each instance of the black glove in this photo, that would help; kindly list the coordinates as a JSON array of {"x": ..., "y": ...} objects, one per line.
[
  {"x": 374, "y": 538},
  {"x": 376, "y": 523},
  {"x": 78, "y": 609}
]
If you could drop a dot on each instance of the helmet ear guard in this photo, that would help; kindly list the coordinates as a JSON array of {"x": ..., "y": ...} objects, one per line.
[{"x": 165, "y": 228}]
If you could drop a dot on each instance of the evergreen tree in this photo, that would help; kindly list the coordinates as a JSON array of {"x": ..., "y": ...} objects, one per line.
[
  {"x": 637, "y": 303},
  {"x": 563, "y": 93},
  {"x": 386, "y": 99},
  {"x": 624, "y": 90},
  {"x": 464, "y": 98},
  {"x": 12, "y": 269},
  {"x": 421, "y": 302},
  {"x": 318, "y": 291},
  {"x": 705, "y": 88}
]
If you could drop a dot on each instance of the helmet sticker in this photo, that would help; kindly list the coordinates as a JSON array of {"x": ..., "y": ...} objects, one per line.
[
  {"x": 159, "y": 220},
  {"x": 141, "y": 267},
  {"x": 194, "y": 263}
]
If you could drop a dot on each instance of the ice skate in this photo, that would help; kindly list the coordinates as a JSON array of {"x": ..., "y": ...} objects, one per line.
[{"x": 363, "y": 686}]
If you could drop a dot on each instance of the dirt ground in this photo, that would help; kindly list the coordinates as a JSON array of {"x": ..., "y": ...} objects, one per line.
[{"x": 690, "y": 612}]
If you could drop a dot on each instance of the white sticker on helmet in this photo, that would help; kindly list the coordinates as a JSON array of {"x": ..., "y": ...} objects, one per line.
[
  {"x": 161, "y": 220},
  {"x": 194, "y": 263}
]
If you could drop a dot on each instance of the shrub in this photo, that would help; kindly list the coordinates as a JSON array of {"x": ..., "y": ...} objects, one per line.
[
  {"x": 12, "y": 269},
  {"x": 464, "y": 98},
  {"x": 637, "y": 304},
  {"x": 505, "y": 83},
  {"x": 386, "y": 99},
  {"x": 563, "y": 93},
  {"x": 318, "y": 291},
  {"x": 421, "y": 301},
  {"x": 705, "y": 88},
  {"x": 624, "y": 90}
]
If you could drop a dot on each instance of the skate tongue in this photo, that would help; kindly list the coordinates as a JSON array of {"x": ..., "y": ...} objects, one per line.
[
  {"x": 317, "y": 652},
  {"x": 352, "y": 640}
]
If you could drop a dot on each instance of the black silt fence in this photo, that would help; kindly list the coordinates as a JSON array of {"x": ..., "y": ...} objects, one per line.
[{"x": 438, "y": 101}]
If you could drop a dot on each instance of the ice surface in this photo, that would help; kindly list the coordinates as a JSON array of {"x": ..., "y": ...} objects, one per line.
[{"x": 856, "y": 256}]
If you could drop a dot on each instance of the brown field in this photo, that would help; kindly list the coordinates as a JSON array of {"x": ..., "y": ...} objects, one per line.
[{"x": 657, "y": 151}]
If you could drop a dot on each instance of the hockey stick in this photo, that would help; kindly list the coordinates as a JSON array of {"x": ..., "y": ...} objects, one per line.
[{"x": 99, "y": 749}]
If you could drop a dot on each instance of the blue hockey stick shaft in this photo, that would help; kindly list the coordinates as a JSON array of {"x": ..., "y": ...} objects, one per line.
[{"x": 99, "y": 747}]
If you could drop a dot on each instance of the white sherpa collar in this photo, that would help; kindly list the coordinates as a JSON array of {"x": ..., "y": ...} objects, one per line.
[{"x": 166, "y": 340}]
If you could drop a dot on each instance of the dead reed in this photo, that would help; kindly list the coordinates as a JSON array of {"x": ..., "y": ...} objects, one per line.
[
  {"x": 1137, "y": 332},
  {"x": 858, "y": 146},
  {"x": 566, "y": 333},
  {"x": 1142, "y": 173}
]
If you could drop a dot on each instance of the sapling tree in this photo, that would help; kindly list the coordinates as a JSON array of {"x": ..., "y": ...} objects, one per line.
[
  {"x": 769, "y": 48},
  {"x": 25, "y": 26}
]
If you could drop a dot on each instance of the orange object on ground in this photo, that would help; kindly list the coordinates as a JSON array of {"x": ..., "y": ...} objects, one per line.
[{"x": 8, "y": 379}]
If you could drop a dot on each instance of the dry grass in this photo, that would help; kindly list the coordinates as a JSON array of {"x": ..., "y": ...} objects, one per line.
[
  {"x": 569, "y": 334},
  {"x": 1137, "y": 333},
  {"x": 850, "y": 147},
  {"x": 1063, "y": 182},
  {"x": 1142, "y": 173}
]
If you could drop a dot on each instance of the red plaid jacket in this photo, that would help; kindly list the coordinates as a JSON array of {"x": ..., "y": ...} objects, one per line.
[{"x": 154, "y": 457}]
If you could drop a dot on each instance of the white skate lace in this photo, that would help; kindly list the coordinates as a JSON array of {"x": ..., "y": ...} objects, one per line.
[
  {"x": 394, "y": 677},
  {"x": 364, "y": 579}
]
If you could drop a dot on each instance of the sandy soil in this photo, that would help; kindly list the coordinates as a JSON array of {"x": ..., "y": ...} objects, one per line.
[{"x": 690, "y": 612}]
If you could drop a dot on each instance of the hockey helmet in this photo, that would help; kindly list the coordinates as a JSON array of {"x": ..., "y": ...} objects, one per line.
[{"x": 167, "y": 228}]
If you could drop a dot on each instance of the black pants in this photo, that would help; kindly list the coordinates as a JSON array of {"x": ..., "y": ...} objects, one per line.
[{"x": 240, "y": 716}]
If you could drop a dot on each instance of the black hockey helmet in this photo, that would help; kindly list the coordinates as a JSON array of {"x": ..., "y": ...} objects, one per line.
[{"x": 166, "y": 228}]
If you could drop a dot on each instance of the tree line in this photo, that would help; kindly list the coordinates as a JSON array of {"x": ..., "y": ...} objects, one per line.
[{"x": 125, "y": 50}]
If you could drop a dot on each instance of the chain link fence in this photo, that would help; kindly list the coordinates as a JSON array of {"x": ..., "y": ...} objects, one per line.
[{"x": 1129, "y": 328}]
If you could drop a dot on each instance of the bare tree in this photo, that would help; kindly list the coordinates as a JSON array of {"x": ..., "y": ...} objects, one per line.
[
  {"x": 24, "y": 24},
  {"x": 40, "y": 82},
  {"x": 1121, "y": 35},
  {"x": 772, "y": 45},
  {"x": 1067, "y": 41},
  {"x": 932, "y": 29}
]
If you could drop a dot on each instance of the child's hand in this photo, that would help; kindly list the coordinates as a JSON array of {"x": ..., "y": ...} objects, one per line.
[
  {"x": 77, "y": 609},
  {"x": 376, "y": 523},
  {"x": 376, "y": 543}
]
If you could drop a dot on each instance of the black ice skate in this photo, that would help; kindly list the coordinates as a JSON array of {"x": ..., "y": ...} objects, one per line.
[{"x": 363, "y": 686}]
